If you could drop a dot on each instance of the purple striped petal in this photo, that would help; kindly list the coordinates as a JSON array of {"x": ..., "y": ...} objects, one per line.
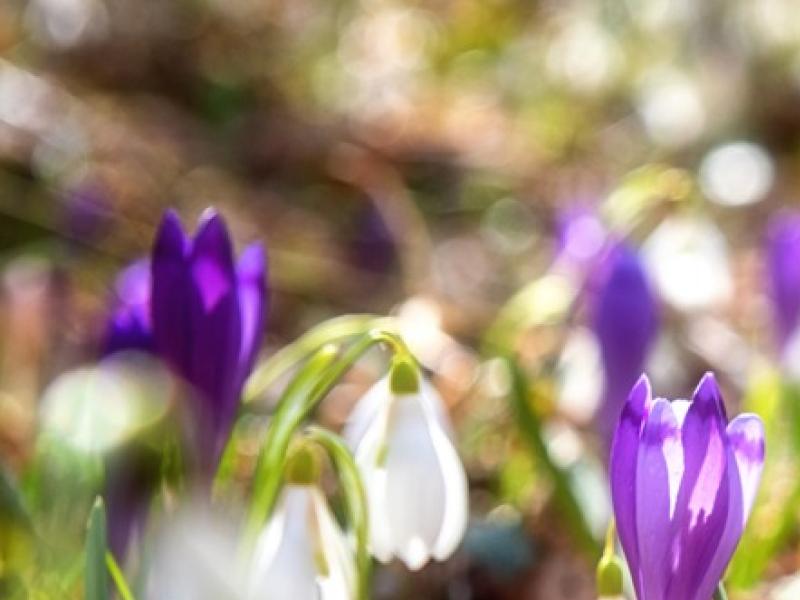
[
  {"x": 623, "y": 467},
  {"x": 745, "y": 461},
  {"x": 215, "y": 329},
  {"x": 658, "y": 453},
  {"x": 747, "y": 439},
  {"x": 783, "y": 268},
  {"x": 702, "y": 506}
]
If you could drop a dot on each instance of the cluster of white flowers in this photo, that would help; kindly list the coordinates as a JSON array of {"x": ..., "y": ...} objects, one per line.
[{"x": 417, "y": 499}]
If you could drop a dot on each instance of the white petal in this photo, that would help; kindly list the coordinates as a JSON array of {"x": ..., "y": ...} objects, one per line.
[
  {"x": 415, "y": 485},
  {"x": 283, "y": 563},
  {"x": 456, "y": 496},
  {"x": 367, "y": 454},
  {"x": 340, "y": 582},
  {"x": 373, "y": 405}
]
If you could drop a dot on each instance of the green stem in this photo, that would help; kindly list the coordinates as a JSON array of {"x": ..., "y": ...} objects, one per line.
[
  {"x": 331, "y": 331},
  {"x": 355, "y": 498},
  {"x": 720, "y": 594},
  {"x": 531, "y": 428},
  {"x": 306, "y": 390}
]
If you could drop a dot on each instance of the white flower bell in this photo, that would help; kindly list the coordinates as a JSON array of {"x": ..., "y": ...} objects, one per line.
[
  {"x": 302, "y": 553},
  {"x": 415, "y": 482}
]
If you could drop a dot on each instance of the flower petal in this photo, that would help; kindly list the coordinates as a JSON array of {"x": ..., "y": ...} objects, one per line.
[
  {"x": 745, "y": 461},
  {"x": 371, "y": 406},
  {"x": 701, "y": 511},
  {"x": 283, "y": 561},
  {"x": 415, "y": 485},
  {"x": 456, "y": 508},
  {"x": 216, "y": 331},
  {"x": 340, "y": 580},
  {"x": 746, "y": 435},
  {"x": 658, "y": 457},
  {"x": 251, "y": 273},
  {"x": 623, "y": 466},
  {"x": 170, "y": 294}
]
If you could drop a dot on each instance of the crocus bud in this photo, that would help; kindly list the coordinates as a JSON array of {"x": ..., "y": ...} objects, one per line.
[
  {"x": 626, "y": 325},
  {"x": 302, "y": 553},
  {"x": 683, "y": 481},
  {"x": 415, "y": 482},
  {"x": 208, "y": 320}
]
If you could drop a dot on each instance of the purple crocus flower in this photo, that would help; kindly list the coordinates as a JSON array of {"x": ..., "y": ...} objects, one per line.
[
  {"x": 683, "y": 481},
  {"x": 783, "y": 271},
  {"x": 625, "y": 321},
  {"x": 202, "y": 315},
  {"x": 207, "y": 320}
]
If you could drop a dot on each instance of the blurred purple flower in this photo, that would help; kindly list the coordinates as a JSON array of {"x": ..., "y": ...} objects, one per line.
[
  {"x": 87, "y": 211},
  {"x": 372, "y": 246},
  {"x": 128, "y": 327},
  {"x": 202, "y": 315},
  {"x": 783, "y": 271},
  {"x": 207, "y": 320},
  {"x": 683, "y": 481},
  {"x": 626, "y": 322}
]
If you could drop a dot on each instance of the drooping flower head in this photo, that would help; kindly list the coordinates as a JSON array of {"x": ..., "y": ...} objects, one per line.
[
  {"x": 415, "y": 482},
  {"x": 683, "y": 481},
  {"x": 783, "y": 271},
  {"x": 625, "y": 321},
  {"x": 207, "y": 318},
  {"x": 302, "y": 554}
]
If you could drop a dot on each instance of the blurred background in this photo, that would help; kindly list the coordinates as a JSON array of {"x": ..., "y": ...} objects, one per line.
[{"x": 429, "y": 160}]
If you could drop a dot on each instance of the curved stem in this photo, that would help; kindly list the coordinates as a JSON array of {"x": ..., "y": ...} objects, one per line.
[
  {"x": 355, "y": 498},
  {"x": 720, "y": 593},
  {"x": 331, "y": 331},
  {"x": 306, "y": 390}
]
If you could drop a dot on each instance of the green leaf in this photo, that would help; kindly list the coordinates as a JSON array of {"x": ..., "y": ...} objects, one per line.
[
  {"x": 12, "y": 506},
  {"x": 530, "y": 426},
  {"x": 96, "y": 548}
]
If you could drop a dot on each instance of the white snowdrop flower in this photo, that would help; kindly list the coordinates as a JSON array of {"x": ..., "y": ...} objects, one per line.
[
  {"x": 415, "y": 482},
  {"x": 302, "y": 553}
]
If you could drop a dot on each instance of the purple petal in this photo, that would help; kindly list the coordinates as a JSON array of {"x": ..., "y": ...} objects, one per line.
[
  {"x": 626, "y": 324},
  {"x": 215, "y": 329},
  {"x": 170, "y": 295},
  {"x": 745, "y": 462},
  {"x": 659, "y": 459},
  {"x": 746, "y": 435},
  {"x": 783, "y": 265},
  {"x": 623, "y": 467},
  {"x": 129, "y": 327},
  {"x": 701, "y": 511},
  {"x": 252, "y": 275}
]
